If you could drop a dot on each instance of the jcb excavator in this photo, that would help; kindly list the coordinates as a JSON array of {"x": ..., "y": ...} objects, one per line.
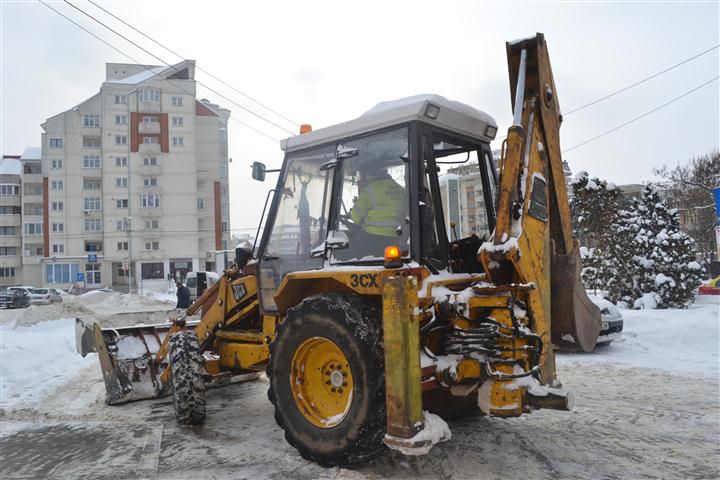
[{"x": 364, "y": 315}]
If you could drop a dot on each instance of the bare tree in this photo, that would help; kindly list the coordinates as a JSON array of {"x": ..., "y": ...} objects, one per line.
[{"x": 691, "y": 193}]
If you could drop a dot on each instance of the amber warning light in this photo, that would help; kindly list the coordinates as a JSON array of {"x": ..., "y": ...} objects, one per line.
[
  {"x": 305, "y": 128},
  {"x": 392, "y": 257}
]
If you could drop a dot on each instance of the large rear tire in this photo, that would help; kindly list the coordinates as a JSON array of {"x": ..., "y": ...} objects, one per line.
[
  {"x": 327, "y": 379},
  {"x": 188, "y": 384}
]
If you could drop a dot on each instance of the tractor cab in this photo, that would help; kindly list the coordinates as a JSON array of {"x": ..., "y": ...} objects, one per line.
[{"x": 347, "y": 192}]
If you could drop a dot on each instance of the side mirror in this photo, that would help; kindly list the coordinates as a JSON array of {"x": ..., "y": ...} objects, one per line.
[
  {"x": 258, "y": 171},
  {"x": 242, "y": 256}
]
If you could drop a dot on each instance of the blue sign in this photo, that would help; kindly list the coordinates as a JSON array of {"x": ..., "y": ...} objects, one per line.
[
  {"x": 80, "y": 277},
  {"x": 716, "y": 194},
  {"x": 92, "y": 258}
]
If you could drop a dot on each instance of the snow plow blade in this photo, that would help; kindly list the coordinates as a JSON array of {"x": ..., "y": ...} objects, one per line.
[
  {"x": 573, "y": 313},
  {"x": 127, "y": 358}
]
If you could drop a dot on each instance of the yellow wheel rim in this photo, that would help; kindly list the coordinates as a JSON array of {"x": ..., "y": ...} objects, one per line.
[{"x": 321, "y": 382}]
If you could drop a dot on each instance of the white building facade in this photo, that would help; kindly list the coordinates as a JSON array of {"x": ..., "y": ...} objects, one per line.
[{"x": 134, "y": 179}]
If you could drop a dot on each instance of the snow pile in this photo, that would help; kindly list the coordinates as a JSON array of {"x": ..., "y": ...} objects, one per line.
[
  {"x": 684, "y": 341},
  {"x": 41, "y": 313},
  {"x": 116, "y": 299},
  {"x": 434, "y": 431},
  {"x": 36, "y": 359}
]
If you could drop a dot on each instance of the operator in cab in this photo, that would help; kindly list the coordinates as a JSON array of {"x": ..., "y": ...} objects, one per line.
[{"x": 378, "y": 210}]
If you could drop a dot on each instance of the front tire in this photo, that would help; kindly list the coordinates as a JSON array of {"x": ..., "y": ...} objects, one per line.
[
  {"x": 327, "y": 379},
  {"x": 188, "y": 384}
]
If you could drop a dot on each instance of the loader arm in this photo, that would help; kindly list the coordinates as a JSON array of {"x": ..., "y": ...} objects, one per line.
[{"x": 533, "y": 240}]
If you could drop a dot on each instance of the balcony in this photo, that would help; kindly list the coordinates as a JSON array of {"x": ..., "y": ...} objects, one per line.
[
  {"x": 149, "y": 107},
  {"x": 149, "y": 148},
  {"x": 149, "y": 169},
  {"x": 152, "y": 128}
]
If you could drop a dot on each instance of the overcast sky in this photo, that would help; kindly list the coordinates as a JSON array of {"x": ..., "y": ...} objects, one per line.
[{"x": 327, "y": 62}]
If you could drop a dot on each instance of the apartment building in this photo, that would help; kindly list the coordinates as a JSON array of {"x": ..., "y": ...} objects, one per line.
[
  {"x": 134, "y": 182},
  {"x": 10, "y": 221}
]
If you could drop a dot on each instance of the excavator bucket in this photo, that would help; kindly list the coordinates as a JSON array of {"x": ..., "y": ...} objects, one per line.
[
  {"x": 127, "y": 358},
  {"x": 576, "y": 320}
]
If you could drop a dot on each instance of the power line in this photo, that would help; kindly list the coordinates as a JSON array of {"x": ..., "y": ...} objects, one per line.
[
  {"x": 197, "y": 67},
  {"x": 640, "y": 116},
  {"x": 149, "y": 68},
  {"x": 171, "y": 66},
  {"x": 641, "y": 81}
]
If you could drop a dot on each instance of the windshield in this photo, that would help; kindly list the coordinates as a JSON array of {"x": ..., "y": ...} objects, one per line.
[
  {"x": 40, "y": 291},
  {"x": 300, "y": 223},
  {"x": 373, "y": 210}
]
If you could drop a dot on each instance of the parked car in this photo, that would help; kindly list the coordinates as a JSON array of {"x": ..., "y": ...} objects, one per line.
[
  {"x": 14, "y": 297},
  {"x": 612, "y": 322},
  {"x": 27, "y": 288},
  {"x": 197, "y": 282},
  {"x": 45, "y": 296},
  {"x": 710, "y": 288}
]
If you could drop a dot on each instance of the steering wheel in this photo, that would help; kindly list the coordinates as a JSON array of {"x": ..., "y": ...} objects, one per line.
[{"x": 347, "y": 222}]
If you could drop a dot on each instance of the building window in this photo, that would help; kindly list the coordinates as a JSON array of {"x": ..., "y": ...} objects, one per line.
[
  {"x": 11, "y": 210},
  {"x": 177, "y": 101},
  {"x": 58, "y": 248},
  {"x": 150, "y": 200},
  {"x": 121, "y": 203},
  {"x": 121, "y": 225},
  {"x": 56, "y": 164},
  {"x": 61, "y": 272},
  {"x": 121, "y": 161},
  {"x": 93, "y": 246},
  {"x": 91, "y": 120},
  {"x": 57, "y": 206},
  {"x": 149, "y": 95},
  {"x": 201, "y": 204},
  {"x": 150, "y": 140},
  {"x": 33, "y": 229},
  {"x": 92, "y": 273},
  {"x": 7, "y": 272},
  {"x": 150, "y": 182},
  {"x": 120, "y": 119},
  {"x": 149, "y": 119},
  {"x": 92, "y": 142},
  {"x": 120, "y": 99},
  {"x": 150, "y": 161},
  {"x": 152, "y": 245},
  {"x": 225, "y": 226},
  {"x": 7, "y": 251},
  {"x": 152, "y": 224},
  {"x": 56, "y": 185},
  {"x": 177, "y": 121},
  {"x": 91, "y": 203},
  {"x": 9, "y": 189},
  {"x": 7, "y": 230},
  {"x": 91, "y": 161},
  {"x": 56, "y": 143},
  {"x": 93, "y": 225},
  {"x": 121, "y": 182},
  {"x": 58, "y": 227},
  {"x": 120, "y": 139},
  {"x": 92, "y": 184},
  {"x": 33, "y": 208},
  {"x": 178, "y": 141},
  {"x": 122, "y": 246},
  {"x": 33, "y": 189}
]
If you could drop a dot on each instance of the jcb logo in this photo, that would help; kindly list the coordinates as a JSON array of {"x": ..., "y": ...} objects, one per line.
[{"x": 364, "y": 280}]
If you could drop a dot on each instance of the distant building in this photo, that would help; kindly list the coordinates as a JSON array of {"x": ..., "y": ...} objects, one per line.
[
  {"x": 10, "y": 221},
  {"x": 464, "y": 202},
  {"x": 135, "y": 176}
]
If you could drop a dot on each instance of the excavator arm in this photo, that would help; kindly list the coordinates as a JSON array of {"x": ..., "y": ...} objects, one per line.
[{"x": 533, "y": 240}]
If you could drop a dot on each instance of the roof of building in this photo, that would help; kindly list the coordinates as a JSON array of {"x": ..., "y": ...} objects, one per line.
[
  {"x": 10, "y": 166},
  {"x": 151, "y": 72},
  {"x": 451, "y": 115},
  {"x": 32, "y": 153}
]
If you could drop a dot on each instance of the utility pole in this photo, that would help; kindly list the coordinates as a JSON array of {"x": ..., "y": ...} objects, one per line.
[{"x": 130, "y": 263}]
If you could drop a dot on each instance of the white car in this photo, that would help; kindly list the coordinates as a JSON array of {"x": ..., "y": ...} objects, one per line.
[
  {"x": 45, "y": 296},
  {"x": 612, "y": 322}
]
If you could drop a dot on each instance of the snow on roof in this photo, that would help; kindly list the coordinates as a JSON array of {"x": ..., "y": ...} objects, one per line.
[
  {"x": 10, "y": 166},
  {"x": 450, "y": 115},
  {"x": 141, "y": 77},
  {"x": 32, "y": 153}
]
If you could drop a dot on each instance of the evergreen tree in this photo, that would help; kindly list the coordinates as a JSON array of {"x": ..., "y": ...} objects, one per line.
[{"x": 653, "y": 261}]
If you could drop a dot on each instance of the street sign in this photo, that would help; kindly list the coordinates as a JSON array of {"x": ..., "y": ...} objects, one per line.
[
  {"x": 717, "y": 240},
  {"x": 92, "y": 258},
  {"x": 716, "y": 194},
  {"x": 80, "y": 277}
]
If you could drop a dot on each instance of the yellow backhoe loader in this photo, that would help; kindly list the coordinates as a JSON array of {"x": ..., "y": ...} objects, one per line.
[{"x": 362, "y": 303}]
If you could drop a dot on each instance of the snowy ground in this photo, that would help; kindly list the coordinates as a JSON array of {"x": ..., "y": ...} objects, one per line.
[{"x": 648, "y": 406}]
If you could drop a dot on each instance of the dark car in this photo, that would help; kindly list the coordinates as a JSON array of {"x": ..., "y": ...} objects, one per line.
[{"x": 14, "y": 299}]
